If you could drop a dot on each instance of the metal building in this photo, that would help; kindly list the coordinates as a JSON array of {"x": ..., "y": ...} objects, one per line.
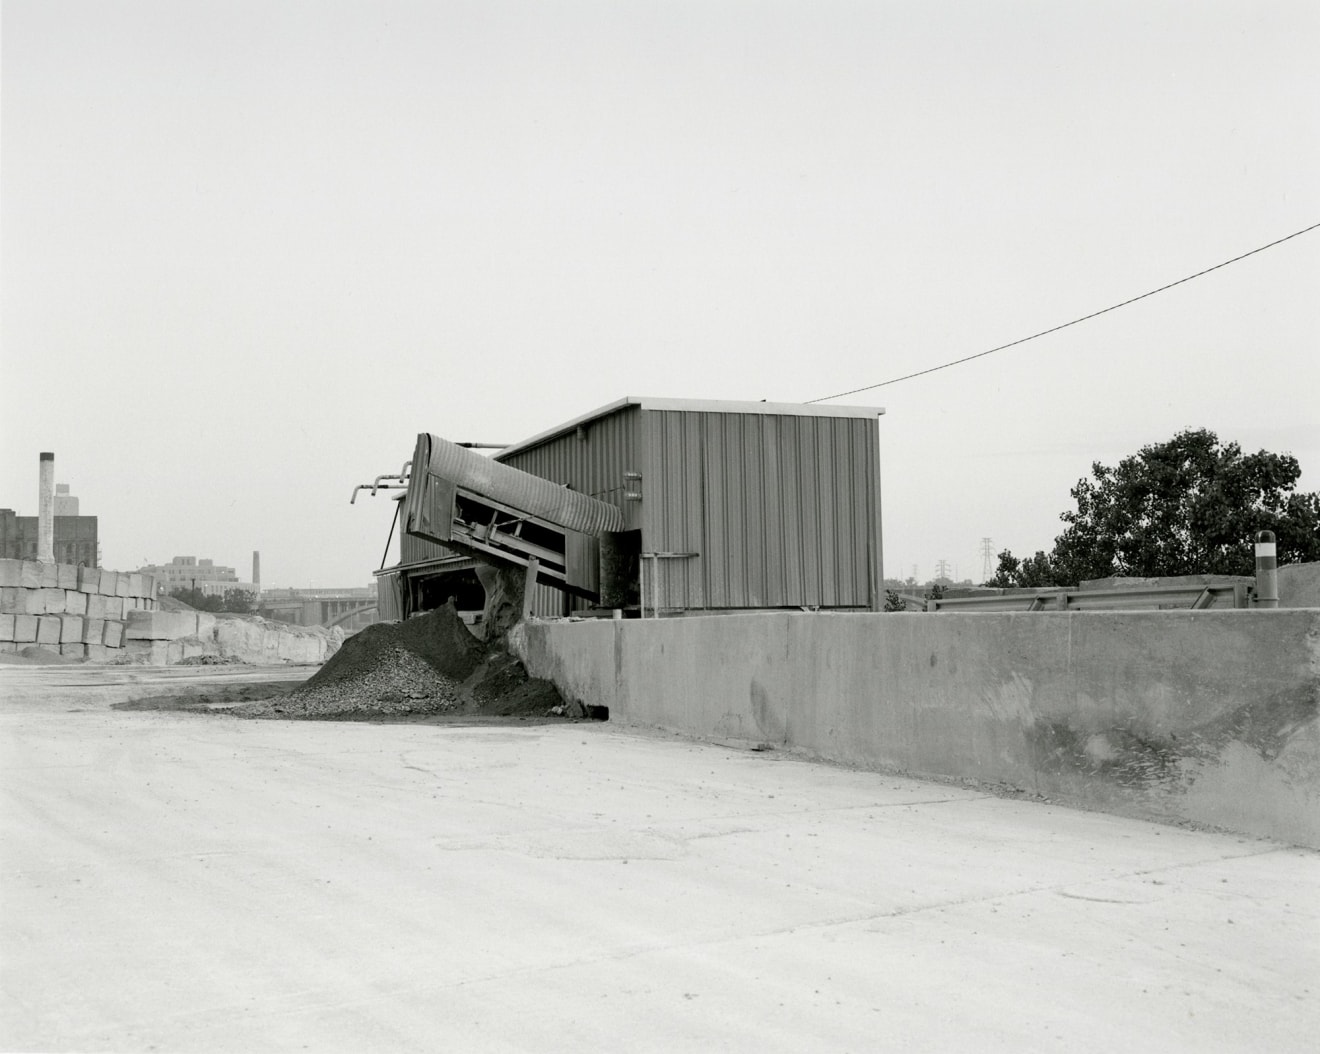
[{"x": 721, "y": 506}]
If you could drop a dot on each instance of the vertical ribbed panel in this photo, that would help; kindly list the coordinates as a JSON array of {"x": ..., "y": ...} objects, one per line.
[
  {"x": 673, "y": 508},
  {"x": 413, "y": 549},
  {"x": 783, "y": 510},
  {"x": 389, "y": 607},
  {"x": 594, "y": 464}
]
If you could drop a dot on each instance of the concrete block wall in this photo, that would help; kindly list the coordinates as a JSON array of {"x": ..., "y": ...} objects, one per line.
[
  {"x": 170, "y": 637},
  {"x": 80, "y": 612},
  {"x": 1203, "y": 716}
]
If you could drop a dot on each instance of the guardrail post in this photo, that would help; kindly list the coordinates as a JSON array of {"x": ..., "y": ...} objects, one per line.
[{"x": 1267, "y": 571}]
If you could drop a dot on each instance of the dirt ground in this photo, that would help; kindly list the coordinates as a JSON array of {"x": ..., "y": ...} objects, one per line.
[{"x": 197, "y": 884}]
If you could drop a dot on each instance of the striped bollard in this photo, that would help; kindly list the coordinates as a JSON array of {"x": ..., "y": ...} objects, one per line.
[{"x": 1267, "y": 571}]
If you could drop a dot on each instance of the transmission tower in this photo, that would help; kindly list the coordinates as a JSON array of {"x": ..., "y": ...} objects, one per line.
[
  {"x": 942, "y": 570},
  {"x": 987, "y": 559}
]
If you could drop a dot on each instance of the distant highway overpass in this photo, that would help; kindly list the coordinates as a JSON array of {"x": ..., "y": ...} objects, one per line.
[{"x": 350, "y": 610}]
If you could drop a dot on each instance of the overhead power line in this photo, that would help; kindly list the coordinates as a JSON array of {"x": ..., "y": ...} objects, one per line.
[{"x": 1065, "y": 325}]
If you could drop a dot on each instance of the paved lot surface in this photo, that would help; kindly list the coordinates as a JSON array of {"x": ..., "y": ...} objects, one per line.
[{"x": 184, "y": 882}]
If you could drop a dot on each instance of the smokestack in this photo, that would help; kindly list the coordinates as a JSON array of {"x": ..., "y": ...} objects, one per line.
[
  {"x": 256, "y": 570},
  {"x": 46, "y": 511}
]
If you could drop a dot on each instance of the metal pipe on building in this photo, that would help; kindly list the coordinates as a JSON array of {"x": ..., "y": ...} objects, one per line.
[
  {"x": 46, "y": 511},
  {"x": 1267, "y": 571}
]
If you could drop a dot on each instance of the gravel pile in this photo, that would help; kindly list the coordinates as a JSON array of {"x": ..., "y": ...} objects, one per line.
[
  {"x": 402, "y": 683},
  {"x": 427, "y": 665},
  {"x": 210, "y": 660}
]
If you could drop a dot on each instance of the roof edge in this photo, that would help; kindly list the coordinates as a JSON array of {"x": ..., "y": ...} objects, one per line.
[{"x": 708, "y": 406}]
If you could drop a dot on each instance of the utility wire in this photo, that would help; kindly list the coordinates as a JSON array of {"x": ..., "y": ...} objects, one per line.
[{"x": 1065, "y": 325}]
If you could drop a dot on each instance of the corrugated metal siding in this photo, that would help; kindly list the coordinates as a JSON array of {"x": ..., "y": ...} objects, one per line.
[
  {"x": 413, "y": 549},
  {"x": 673, "y": 508},
  {"x": 784, "y": 510},
  {"x": 389, "y": 605},
  {"x": 594, "y": 465},
  {"x": 567, "y": 507}
]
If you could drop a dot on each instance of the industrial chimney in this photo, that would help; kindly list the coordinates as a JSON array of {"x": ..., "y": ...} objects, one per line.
[
  {"x": 46, "y": 511},
  {"x": 256, "y": 570}
]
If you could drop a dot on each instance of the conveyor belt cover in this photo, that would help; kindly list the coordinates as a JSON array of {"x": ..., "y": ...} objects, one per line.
[{"x": 512, "y": 487}]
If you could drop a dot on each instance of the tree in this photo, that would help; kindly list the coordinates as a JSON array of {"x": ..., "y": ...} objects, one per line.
[
  {"x": 239, "y": 601},
  {"x": 196, "y": 599},
  {"x": 1190, "y": 506},
  {"x": 1032, "y": 573}
]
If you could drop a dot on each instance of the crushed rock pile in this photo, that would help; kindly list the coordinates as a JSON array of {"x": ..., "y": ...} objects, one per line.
[{"x": 430, "y": 664}]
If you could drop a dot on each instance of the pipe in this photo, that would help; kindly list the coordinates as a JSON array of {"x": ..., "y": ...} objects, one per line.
[
  {"x": 1267, "y": 571},
  {"x": 641, "y": 586},
  {"x": 375, "y": 486}
]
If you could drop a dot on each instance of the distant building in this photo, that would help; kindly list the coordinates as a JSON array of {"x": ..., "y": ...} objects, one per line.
[
  {"x": 75, "y": 536},
  {"x": 65, "y": 503},
  {"x": 188, "y": 572}
]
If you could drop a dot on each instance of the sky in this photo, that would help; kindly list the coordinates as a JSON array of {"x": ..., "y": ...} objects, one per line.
[{"x": 248, "y": 250}]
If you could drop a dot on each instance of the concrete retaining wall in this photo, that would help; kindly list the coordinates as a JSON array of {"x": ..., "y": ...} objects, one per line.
[
  {"x": 80, "y": 612},
  {"x": 1299, "y": 586},
  {"x": 1208, "y": 716}
]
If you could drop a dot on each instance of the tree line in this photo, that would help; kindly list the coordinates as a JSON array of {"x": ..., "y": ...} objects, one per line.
[
  {"x": 1189, "y": 506},
  {"x": 238, "y": 601}
]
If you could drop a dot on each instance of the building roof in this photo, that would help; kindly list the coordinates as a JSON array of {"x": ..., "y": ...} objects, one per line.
[{"x": 705, "y": 406}]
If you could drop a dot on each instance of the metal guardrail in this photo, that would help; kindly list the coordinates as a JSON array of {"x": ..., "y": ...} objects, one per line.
[{"x": 1234, "y": 595}]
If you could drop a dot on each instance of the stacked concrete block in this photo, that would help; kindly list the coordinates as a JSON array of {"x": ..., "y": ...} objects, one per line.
[
  {"x": 48, "y": 630},
  {"x": 79, "y": 611},
  {"x": 71, "y": 629},
  {"x": 161, "y": 625},
  {"x": 51, "y": 601},
  {"x": 104, "y": 616},
  {"x": 150, "y": 652},
  {"x": 25, "y": 629}
]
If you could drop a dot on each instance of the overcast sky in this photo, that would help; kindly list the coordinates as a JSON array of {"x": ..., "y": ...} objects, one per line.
[{"x": 251, "y": 249}]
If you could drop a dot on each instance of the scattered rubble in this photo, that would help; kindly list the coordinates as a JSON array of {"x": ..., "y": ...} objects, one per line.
[
  {"x": 35, "y": 656},
  {"x": 427, "y": 665}
]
